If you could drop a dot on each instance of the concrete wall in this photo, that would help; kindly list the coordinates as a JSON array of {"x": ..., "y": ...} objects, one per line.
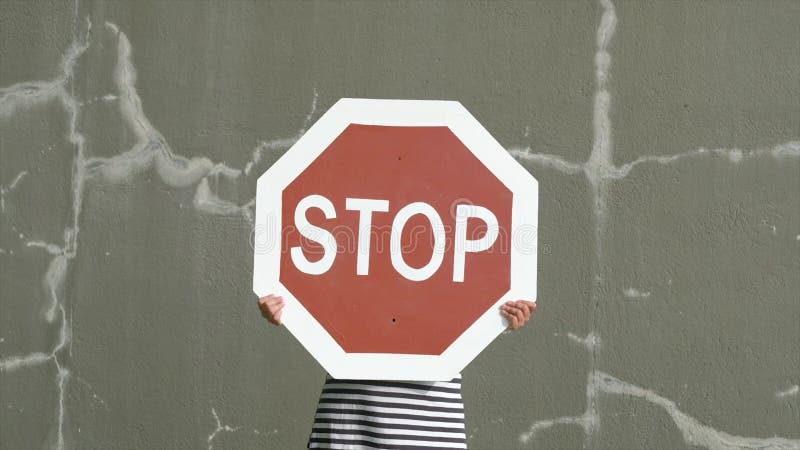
[{"x": 665, "y": 136}]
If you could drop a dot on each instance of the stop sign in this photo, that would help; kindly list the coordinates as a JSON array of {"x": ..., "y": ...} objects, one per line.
[{"x": 395, "y": 230}]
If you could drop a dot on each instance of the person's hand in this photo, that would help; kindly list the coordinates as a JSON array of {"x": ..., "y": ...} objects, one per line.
[
  {"x": 518, "y": 313},
  {"x": 271, "y": 308}
]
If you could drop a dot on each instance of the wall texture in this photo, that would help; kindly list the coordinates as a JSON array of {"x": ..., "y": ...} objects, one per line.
[{"x": 665, "y": 136}]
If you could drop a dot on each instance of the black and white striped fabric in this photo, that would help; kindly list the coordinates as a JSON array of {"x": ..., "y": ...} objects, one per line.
[{"x": 364, "y": 414}]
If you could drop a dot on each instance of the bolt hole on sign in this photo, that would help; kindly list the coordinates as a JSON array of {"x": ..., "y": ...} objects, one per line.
[{"x": 395, "y": 230}]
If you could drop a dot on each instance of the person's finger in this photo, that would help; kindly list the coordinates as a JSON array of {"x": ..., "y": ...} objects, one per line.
[
  {"x": 276, "y": 307},
  {"x": 530, "y": 304},
  {"x": 517, "y": 312},
  {"x": 513, "y": 320},
  {"x": 270, "y": 316},
  {"x": 526, "y": 310},
  {"x": 264, "y": 307},
  {"x": 274, "y": 299},
  {"x": 277, "y": 317},
  {"x": 263, "y": 300},
  {"x": 529, "y": 310}
]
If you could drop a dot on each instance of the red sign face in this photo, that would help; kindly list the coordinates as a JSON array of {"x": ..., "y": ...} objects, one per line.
[{"x": 395, "y": 239}]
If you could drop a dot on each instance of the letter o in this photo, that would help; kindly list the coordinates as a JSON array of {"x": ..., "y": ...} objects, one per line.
[{"x": 399, "y": 222}]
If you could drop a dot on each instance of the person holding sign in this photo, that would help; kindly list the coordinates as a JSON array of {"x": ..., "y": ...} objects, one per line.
[
  {"x": 387, "y": 239},
  {"x": 389, "y": 414}
]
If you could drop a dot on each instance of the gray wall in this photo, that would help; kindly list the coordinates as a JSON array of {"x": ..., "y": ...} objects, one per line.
[{"x": 665, "y": 136}]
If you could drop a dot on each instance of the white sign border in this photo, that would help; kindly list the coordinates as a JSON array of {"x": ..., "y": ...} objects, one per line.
[{"x": 297, "y": 319}]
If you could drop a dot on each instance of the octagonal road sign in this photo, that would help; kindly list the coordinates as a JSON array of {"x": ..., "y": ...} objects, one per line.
[{"x": 395, "y": 230}]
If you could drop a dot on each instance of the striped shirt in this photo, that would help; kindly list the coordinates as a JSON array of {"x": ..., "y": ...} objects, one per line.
[{"x": 366, "y": 414}]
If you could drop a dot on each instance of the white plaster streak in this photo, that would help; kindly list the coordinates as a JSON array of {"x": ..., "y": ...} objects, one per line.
[
  {"x": 62, "y": 373},
  {"x": 52, "y": 249},
  {"x": 151, "y": 149},
  {"x": 551, "y": 161},
  {"x": 56, "y": 272},
  {"x": 310, "y": 115},
  {"x": 105, "y": 98},
  {"x": 220, "y": 428},
  {"x": 589, "y": 421},
  {"x": 276, "y": 144},
  {"x": 17, "y": 179},
  {"x": 28, "y": 94},
  {"x": 590, "y": 342},
  {"x": 595, "y": 168},
  {"x": 600, "y": 161},
  {"x": 13, "y": 363},
  {"x": 62, "y": 377},
  {"x": 249, "y": 210},
  {"x": 790, "y": 392},
  {"x": 600, "y": 170},
  {"x": 52, "y": 283},
  {"x": 636, "y": 293},
  {"x": 95, "y": 397},
  {"x": 541, "y": 425},
  {"x": 284, "y": 143},
  {"x": 5, "y": 190},
  {"x": 206, "y": 199},
  {"x": 694, "y": 432},
  {"x": 787, "y": 150}
]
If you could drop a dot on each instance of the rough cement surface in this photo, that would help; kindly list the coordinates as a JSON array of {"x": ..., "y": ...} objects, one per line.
[{"x": 665, "y": 136}]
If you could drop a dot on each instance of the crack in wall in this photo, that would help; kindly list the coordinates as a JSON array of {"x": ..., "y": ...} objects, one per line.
[
  {"x": 224, "y": 428},
  {"x": 28, "y": 94},
  {"x": 5, "y": 190},
  {"x": 153, "y": 151},
  {"x": 790, "y": 392},
  {"x": 600, "y": 170},
  {"x": 50, "y": 248},
  {"x": 632, "y": 292},
  {"x": 785, "y": 150},
  {"x": 692, "y": 430},
  {"x": 150, "y": 151},
  {"x": 13, "y": 363},
  {"x": 220, "y": 429}
]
